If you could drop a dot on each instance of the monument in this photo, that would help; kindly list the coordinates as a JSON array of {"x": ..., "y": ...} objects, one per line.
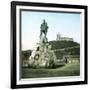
[{"x": 43, "y": 55}]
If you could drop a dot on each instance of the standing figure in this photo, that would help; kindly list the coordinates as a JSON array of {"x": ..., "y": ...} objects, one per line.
[
  {"x": 44, "y": 28},
  {"x": 66, "y": 61}
]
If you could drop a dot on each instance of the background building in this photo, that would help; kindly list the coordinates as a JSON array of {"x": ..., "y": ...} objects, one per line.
[{"x": 60, "y": 38}]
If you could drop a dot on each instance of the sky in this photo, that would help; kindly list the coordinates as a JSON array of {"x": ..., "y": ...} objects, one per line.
[{"x": 66, "y": 24}]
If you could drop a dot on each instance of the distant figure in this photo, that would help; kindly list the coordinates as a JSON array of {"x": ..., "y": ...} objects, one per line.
[
  {"x": 44, "y": 28},
  {"x": 66, "y": 61}
]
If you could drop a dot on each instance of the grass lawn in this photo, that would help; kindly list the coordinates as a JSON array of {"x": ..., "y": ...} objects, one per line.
[{"x": 67, "y": 70}]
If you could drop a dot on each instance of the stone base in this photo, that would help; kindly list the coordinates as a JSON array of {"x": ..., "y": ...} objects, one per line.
[{"x": 44, "y": 57}]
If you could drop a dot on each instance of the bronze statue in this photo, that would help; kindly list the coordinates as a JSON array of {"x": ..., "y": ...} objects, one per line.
[{"x": 44, "y": 28}]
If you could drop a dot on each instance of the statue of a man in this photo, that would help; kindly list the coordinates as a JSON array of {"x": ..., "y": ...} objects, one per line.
[{"x": 43, "y": 28}]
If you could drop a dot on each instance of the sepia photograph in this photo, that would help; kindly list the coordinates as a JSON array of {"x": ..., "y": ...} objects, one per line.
[{"x": 50, "y": 44}]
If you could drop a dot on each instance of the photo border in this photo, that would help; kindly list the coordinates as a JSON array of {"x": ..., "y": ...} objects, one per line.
[{"x": 13, "y": 44}]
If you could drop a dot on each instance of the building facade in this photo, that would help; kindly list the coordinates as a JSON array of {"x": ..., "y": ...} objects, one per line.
[{"x": 60, "y": 38}]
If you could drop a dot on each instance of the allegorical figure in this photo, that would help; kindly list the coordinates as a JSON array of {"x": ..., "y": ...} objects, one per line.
[{"x": 44, "y": 28}]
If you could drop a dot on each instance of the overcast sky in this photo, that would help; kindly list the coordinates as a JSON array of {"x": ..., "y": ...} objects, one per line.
[{"x": 67, "y": 24}]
